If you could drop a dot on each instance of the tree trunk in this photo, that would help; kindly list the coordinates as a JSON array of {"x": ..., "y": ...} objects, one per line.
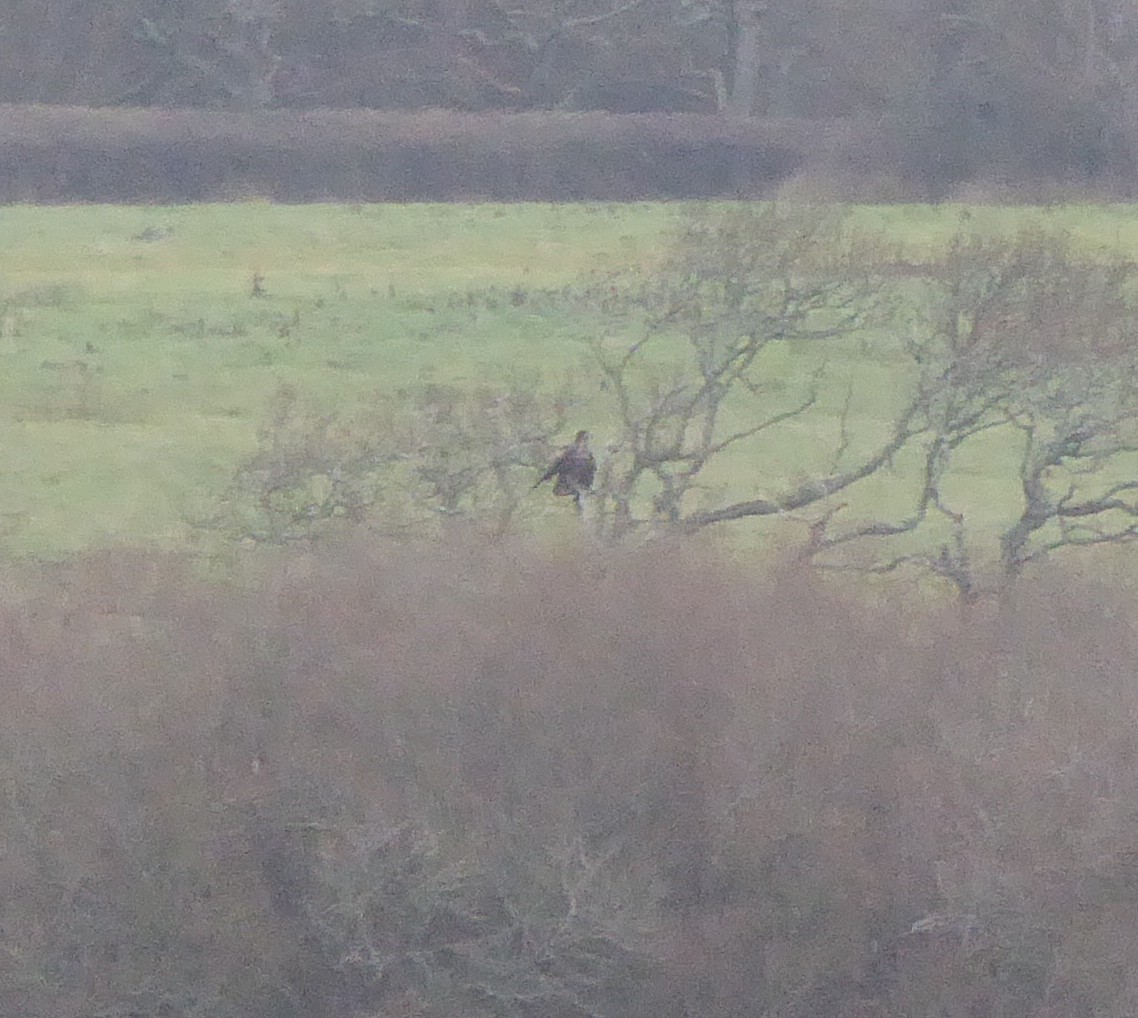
[{"x": 747, "y": 38}]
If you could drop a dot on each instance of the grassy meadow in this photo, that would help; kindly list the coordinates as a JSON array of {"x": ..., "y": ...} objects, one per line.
[{"x": 138, "y": 363}]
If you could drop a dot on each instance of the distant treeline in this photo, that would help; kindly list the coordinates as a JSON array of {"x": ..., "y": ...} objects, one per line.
[
  {"x": 61, "y": 154},
  {"x": 970, "y": 92}
]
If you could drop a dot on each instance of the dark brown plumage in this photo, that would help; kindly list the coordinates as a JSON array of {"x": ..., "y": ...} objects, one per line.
[{"x": 574, "y": 469}]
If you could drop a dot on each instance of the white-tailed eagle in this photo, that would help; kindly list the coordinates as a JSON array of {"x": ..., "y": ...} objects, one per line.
[{"x": 574, "y": 469}]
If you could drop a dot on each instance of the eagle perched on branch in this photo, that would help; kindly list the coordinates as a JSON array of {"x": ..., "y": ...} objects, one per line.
[{"x": 574, "y": 469}]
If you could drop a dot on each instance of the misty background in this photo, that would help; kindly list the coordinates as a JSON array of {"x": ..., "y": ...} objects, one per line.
[{"x": 893, "y": 99}]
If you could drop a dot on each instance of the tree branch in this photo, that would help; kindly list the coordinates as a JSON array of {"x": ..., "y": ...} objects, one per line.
[{"x": 811, "y": 491}]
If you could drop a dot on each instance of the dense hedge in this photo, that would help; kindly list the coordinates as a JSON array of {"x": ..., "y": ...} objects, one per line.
[
  {"x": 53, "y": 154},
  {"x": 470, "y": 782}
]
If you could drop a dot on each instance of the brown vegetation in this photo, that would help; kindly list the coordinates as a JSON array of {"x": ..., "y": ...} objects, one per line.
[{"x": 383, "y": 781}]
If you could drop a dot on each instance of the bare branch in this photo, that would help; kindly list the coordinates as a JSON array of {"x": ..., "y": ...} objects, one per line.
[
  {"x": 604, "y": 16},
  {"x": 814, "y": 490}
]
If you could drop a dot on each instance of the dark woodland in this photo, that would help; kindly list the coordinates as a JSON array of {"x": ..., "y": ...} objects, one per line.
[{"x": 900, "y": 99}]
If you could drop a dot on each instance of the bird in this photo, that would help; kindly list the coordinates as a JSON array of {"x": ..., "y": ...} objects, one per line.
[{"x": 574, "y": 469}]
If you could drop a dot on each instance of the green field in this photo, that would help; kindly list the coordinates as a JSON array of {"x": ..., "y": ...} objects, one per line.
[{"x": 138, "y": 364}]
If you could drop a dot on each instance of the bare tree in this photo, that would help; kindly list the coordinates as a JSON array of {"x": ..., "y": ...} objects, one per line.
[
  {"x": 1015, "y": 350},
  {"x": 1023, "y": 346},
  {"x": 415, "y": 461},
  {"x": 700, "y": 383},
  {"x": 223, "y": 52},
  {"x": 992, "y": 391}
]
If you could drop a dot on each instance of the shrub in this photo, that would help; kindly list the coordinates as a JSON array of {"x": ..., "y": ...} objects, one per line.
[{"x": 379, "y": 780}]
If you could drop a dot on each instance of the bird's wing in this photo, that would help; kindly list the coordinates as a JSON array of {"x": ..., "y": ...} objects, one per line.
[
  {"x": 554, "y": 468},
  {"x": 589, "y": 471}
]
